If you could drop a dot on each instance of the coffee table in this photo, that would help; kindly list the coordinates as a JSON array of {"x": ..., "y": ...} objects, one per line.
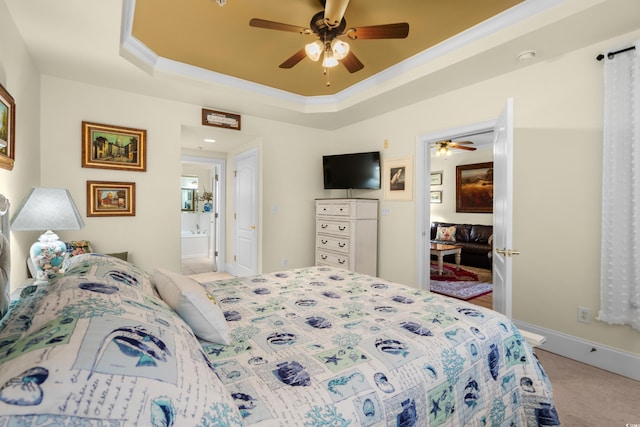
[{"x": 441, "y": 250}]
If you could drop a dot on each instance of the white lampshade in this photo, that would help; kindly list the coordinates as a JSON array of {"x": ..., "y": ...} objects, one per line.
[
  {"x": 47, "y": 209},
  {"x": 329, "y": 60}
]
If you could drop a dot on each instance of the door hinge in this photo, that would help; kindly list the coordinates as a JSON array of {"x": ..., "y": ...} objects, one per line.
[
  {"x": 235, "y": 174},
  {"x": 235, "y": 215},
  {"x": 215, "y": 253},
  {"x": 215, "y": 215},
  {"x": 235, "y": 258}
]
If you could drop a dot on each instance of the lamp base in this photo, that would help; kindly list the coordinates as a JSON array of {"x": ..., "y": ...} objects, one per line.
[{"x": 47, "y": 255}]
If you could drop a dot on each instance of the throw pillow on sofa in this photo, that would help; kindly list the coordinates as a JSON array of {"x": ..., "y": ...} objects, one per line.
[{"x": 447, "y": 234}]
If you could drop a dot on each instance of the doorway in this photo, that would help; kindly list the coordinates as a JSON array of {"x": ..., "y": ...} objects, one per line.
[
  {"x": 203, "y": 222},
  {"x": 502, "y": 222}
]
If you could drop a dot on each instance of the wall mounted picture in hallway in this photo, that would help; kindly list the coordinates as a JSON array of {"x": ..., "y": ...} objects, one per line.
[
  {"x": 108, "y": 198},
  {"x": 7, "y": 129},
  {"x": 474, "y": 188},
  {"x": 113, "y": 147}
]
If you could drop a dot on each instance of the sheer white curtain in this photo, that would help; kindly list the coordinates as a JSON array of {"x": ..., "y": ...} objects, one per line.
[{"x": 620, "y": 254}]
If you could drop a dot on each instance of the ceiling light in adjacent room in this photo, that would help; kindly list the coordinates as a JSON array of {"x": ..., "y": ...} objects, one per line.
[{"x": 209, "y": 140}]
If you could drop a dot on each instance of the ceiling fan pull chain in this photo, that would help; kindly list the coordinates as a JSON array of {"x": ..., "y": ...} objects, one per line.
[{"x": 326, "y": 73}]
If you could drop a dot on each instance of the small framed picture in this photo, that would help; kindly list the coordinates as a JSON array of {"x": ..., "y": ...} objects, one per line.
[
  {"x": 113, "y": 147},
  {"x": 7, "y": 129},
  {"x": 106, "y": 198},
  {"x": 398, "y": 179},
  {"x": 436, "y": 178},
  {"x": 436, "y": 197}
]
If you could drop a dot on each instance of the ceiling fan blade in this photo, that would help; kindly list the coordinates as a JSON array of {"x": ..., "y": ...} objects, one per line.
[
  {"x": 462, "y": 142},
  {"x": 352, "y": 63},
  {"x": 398, "y": 30},
  {"x": 334, "y": 12},
  {"x": 271, "y": 25},
  {"x": 294, "y": 59},
  {"x": 461, "y": 147}
]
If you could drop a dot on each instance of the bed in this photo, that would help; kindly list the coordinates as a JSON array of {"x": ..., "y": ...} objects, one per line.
[{"x": 107, "y": 343}]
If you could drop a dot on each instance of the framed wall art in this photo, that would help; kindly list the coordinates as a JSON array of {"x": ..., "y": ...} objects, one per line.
[
  {"x": 7, "y": 129},
  {"x": 106, "y": 198},
  {"x": 436, "y": 178},
  {"x": 221, "y": 119},
  {"x": 436, "y": 197},
  {"x": 113, "y": 147},
  {"x": 398, "y": 179},
  {"x": 474, "y": 188}
]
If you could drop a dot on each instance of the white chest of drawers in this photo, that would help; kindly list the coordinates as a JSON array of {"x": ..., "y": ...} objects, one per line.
[{"x": 347, "y": 234}]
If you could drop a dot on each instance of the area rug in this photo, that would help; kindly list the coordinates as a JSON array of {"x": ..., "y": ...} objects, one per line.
[
  {"x": 450, "y": 274},
  {"x": 463, "y": 290}
]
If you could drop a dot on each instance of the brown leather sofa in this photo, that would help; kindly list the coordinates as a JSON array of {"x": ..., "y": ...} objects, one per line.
[{"x": 475, "y": 241}]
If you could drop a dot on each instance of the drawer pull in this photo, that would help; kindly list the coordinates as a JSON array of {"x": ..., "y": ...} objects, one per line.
[
  {"x": 342, "y": 227},
  {"x": 323, "y": 226},
  {"x": 341, "y": 261},
  {"x": 323, "y": 241},
  {"x": 342, "y": 245},
  {"x": 323, "y": 256}
]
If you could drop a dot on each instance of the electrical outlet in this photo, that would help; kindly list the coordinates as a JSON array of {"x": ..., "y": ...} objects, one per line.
[
  {"x": 584, "y": 315},
  {"x": 285, "y": 262}
]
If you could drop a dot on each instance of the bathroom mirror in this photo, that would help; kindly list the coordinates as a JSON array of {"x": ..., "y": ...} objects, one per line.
[{"x": 188, "y": 200}]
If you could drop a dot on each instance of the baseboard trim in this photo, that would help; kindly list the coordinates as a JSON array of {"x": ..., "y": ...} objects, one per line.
[{"x": 591, "y": 353}]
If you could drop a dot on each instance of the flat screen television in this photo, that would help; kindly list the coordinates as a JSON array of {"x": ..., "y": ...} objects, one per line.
[{"x": 352, "y": 171}]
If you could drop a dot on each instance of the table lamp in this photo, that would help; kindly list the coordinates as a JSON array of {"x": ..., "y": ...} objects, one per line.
[{"x": 47, "y": 209}]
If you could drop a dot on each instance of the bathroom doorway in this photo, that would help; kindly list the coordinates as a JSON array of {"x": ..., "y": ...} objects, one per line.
[{"x": 202, "y": 224}]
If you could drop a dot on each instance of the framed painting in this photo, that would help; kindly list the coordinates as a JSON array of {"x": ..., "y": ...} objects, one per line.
[
  {"x": 221, "y": 119},
  {"x": 113, "y": 147},
  {"x": 474, "y": 188},
  {"x": 398, "y": 179},
  {"x": 7, "y": 129},
  {"x": 436, "y": 178},
  {"x": 436, "y": 197},
  {"x": 106, "y": 198}
]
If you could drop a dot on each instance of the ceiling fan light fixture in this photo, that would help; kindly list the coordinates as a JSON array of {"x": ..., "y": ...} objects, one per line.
[
  {"x": 329, "y": 60},
  {"x": 314, "y": 50},
  {"x": 340, "y": 49}
]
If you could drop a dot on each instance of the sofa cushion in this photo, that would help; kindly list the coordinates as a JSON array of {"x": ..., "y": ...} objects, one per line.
[
  {"x": 447, "y": 234},
  {"x": 481, "y": 233}
]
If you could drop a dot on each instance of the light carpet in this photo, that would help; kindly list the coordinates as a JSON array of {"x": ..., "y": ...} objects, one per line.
[{"x": 464, "y": 290}]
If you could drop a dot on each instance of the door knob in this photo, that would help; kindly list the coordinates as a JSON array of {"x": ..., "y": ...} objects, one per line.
[
  {"x": 507, "y": 252},
  {"x": 252, "y": 227}
]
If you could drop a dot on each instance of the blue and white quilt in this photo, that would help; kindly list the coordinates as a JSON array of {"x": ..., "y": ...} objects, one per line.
[{"x": 327, "y": 347}]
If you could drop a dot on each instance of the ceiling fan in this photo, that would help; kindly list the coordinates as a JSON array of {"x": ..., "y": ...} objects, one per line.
[
  {"x": 443, "y": 148},
  {"x": 328, "y": 25}
]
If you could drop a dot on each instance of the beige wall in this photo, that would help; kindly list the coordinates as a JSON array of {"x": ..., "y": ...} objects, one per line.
[
  {"x": 557, "y": 185},
  {"x": 19, "y": 76},
  {"x": 558, "y": 121}
]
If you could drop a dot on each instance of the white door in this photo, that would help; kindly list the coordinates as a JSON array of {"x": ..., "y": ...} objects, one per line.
[
  {"x": 503, "y": 210},
  {"x": 246, "y": 213}
]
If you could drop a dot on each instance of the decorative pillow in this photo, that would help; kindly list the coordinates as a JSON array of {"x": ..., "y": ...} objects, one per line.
[
  {"x": 78, "y": 247},
  {"x": 197, "y": 307},
  {"x": 447, "y": 234}
]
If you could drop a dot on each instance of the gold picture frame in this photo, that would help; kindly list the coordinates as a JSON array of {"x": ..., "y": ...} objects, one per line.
[
  {"x": 7, "y": 129},
  {"x": 398, "y": 179},
  {"x": 113, "y": 147},
  {"x": 110, "y": 198}
]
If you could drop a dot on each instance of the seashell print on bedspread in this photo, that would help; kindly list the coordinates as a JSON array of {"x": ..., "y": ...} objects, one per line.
[
  {"x": 322, "y": 346},
  {"x": 92, "y": 351}
]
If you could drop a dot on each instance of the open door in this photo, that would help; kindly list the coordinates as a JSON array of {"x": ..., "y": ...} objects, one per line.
[{"x": 503, "y": 210}]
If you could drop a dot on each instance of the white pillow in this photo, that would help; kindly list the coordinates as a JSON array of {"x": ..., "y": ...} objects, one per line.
[{"x": 197, "y": 307}]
